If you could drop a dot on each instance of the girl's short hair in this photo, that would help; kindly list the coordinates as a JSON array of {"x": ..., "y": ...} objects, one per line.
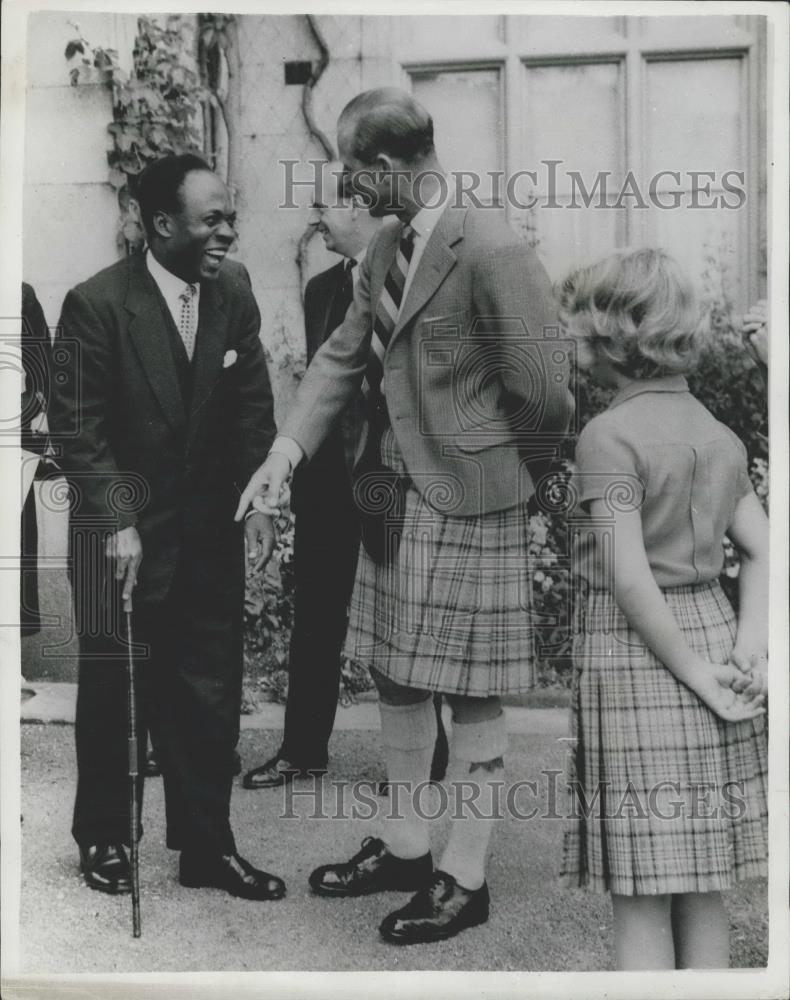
[{"x": 638, "y": 310}]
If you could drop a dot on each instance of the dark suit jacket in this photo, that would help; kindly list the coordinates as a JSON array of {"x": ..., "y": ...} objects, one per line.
[
  {"x": 133, "y": 451},
  {"x": 320, "y": 298},
  {"x": 323, "y": 312},
  {"x": 475, "y": 380}
]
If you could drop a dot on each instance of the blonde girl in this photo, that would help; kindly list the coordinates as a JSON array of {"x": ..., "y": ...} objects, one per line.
[{"x": 667, "y": 772}]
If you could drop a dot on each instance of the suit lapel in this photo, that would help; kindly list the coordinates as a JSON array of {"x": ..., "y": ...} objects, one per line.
[
  {"x": 436, "y": 262},
  {"x": 209, "y": 351},
  {"x": 149, "y": 334}
]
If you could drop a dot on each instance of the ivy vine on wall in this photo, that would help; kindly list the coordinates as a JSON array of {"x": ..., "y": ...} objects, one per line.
[{"x": 162, "y": 106}]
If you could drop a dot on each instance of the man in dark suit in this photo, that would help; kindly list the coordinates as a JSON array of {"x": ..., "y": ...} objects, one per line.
[
  {"x": 453, "y": 335},
  {"x": 170, "y": 411},
  {"x": 326, "y": 537}
]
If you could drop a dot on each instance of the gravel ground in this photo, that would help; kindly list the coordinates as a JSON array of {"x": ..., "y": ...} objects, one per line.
[{"x": 533, "y": 926}]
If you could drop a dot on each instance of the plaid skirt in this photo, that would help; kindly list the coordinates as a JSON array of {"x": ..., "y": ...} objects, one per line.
[
  {"x": 663, "y": 796},
  {"x": 453, "y": 611}
]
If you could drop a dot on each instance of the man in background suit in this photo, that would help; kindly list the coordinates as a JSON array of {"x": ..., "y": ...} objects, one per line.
[
  {"x": 170, "y": 411},
  {"x": 326, "y": 535}
]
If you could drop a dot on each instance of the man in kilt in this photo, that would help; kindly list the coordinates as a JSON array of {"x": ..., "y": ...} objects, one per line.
[{"x": 452, "y": 337}]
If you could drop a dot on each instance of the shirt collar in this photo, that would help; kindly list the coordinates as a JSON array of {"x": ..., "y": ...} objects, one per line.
[
  {"x": 665, "y": 383},
  {"x": 425, "y": 221},
  {"x": 169, "y": 284}
]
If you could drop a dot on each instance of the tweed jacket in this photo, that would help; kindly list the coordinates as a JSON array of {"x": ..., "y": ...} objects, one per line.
[{"x": 475, "y": 375}]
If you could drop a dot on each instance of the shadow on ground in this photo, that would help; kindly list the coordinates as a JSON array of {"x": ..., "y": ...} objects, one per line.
[{"x": 534, "y": 924}]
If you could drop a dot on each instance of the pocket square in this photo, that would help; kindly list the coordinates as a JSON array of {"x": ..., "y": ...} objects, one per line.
[{"x": 229, "y": 359}]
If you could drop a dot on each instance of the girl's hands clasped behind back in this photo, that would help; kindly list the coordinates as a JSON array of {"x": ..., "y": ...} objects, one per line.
[{"x": 726, "y": 690}]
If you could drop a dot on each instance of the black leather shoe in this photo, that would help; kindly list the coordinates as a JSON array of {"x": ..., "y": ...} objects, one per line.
[
  {"x": 373, "y": 869},
  {"x": 277, "y": 772},
  {"x": 437, "y": 912},
  {"x": 231, "y": 873},
  {"x": 106, "y": 868}
]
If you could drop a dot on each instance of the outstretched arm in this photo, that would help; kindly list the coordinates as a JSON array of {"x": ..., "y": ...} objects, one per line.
[
  {"x": 332, "y": 380},
  {"x": 335, "y": 373}
]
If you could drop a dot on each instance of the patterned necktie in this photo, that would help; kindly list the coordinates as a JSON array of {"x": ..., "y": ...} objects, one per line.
[
  {"x": 386, "y": 317},
  {"x": 187, "y": 324}
]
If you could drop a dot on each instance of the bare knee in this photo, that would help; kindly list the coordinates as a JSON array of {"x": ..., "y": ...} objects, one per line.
[{"x": 391, "y": 693}]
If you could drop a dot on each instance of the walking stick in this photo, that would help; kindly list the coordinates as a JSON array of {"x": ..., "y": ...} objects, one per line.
[{"x": 134, "y": 818}]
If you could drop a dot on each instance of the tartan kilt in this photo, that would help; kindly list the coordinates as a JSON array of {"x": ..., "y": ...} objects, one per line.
[
  {"x": 682, "y": 795},
  {"x": 453, "y": 611}
]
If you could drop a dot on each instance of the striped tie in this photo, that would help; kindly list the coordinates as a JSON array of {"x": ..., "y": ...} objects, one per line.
[{"x": 386, "y": 317}]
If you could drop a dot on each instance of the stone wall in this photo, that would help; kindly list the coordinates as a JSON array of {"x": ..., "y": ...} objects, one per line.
[
  {"x": 70, "y": 213},
  {"x": 273, "y": 129}
]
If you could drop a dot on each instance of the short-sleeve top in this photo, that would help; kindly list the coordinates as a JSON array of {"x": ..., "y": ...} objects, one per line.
[{"x": 658, "y": 449}]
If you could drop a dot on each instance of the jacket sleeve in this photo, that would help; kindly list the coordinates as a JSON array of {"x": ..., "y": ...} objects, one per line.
[
  {"x": 335, "y": 375},
  {"x": 254, "y": 402},
  {"x": 311, "y": 297},
  {"x": 79, "y": 417}
]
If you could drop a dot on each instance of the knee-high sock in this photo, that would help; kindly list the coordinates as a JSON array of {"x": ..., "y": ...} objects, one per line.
[
  {"x": 476, "y": 776},
  {"x": 408, "y": 733}
]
